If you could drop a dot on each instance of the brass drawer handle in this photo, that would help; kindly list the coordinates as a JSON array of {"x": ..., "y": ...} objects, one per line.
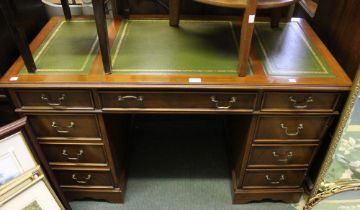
[
  {"x": 217, "y": 102},
  {"x": 137, "y": 98},
  {"x": 300, "y": 126},
  {"x": 51, "y": 103},
  {"x": 282, "y": 158},
  {"x": 281, "y": 178},
  {"x": 66, "y": 155},
  {"x": 301, "y": 105},
  {"x": 61, "y": 129},
  {"x": 85, "y": 180}
]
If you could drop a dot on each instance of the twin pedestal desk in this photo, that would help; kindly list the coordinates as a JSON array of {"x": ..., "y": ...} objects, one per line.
[{"x": 276, "y": 117}]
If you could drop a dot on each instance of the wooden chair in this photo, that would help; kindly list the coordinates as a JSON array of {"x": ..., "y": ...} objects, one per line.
[{"x": 247, "y": 25}]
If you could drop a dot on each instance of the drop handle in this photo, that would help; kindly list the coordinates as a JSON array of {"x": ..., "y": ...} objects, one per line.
[
  {"x": 278, "y": 181},
  {"x": 85, "y": 180},
  {"x": 282, "y": 158},
  {"x": 302, "y": 104},
  {"x": 78, "y": 155},
  {"x": 286, "y": 129},
  {"x": 218, "y": 103},
  {"x": 57, "y": 102},
  {"x": 62, "y": 129},
  {"x": 131, "y": 97}
]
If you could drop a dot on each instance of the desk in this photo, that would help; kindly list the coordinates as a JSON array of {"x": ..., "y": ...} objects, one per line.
[{"x": 276, "y": 117}]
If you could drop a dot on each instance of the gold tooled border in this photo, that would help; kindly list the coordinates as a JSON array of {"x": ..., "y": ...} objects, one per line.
[{"x": 321, "y": 191}]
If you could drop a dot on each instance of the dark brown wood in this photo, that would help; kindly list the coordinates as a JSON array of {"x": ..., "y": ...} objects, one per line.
[
  {"x": 110, "y": 195},
  {"x": 273, "y": 178},
  {"x": 300, "y": 102},
  {"x": 247, "y": 28},
  {"x": 337, "y": 23},
  {"x": 64, "y": 126},
  {"x": 174, "y": 12},
  {"x": 275, "y": 17},
  {"x": 117, "y": 100},
  {"x": 84, "y": 178},
  {"x": 270, "y": 127},
  {"x": 54, "y": 99},
  {"x": 281, "y": 155},
  {"x": 101, "y": 27},
  {"x": 66, "y": 9},
  {"x": 8, "y": 9},
  {"x": 77, "y": 154}
]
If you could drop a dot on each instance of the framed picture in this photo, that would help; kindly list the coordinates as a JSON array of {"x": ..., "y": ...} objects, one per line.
[
  {"x": 340, "y": 171},
  {"x": 15, "y": 158},
  {"x": 30, "y": 191},
  {"x": 24, "y": 172}
]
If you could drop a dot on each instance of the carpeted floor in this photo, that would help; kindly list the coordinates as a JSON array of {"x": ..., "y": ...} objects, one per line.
[{"x": 178, "y": 168}]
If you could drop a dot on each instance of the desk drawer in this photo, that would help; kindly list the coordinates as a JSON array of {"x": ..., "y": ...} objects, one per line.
[
  {"x": 58, "y": 154},
  {"x": 318, "y": 102},
  {"x": 81, "y": 178},
  {"x": 61, "y": 125},
  {"x": 274, "y": 178},
  {"x": 276, "y": 155},
  {"x": 158, "y": 100},
  {"x": 55, "y": 99},
  {"x": 291, "y": 127}
]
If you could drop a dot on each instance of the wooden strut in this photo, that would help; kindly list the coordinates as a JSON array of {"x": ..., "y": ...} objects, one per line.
[
  {"x": 247, "y": 28},
  {"x": 101, "y": 27},
  {"x": 66, "y": 9},
  {"x": 8, "y": 9}
]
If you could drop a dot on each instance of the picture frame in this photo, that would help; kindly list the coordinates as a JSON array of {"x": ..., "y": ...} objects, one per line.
[
  {"x": 340, "y": 171},
  {"x": 26, "y": 180}
]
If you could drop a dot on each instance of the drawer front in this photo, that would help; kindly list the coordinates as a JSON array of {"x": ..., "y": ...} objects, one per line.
[
  {"x": 74, "y": 154},
  {"x": 281, "y": 155},
  {"x": 291, "y": 127},
  {"x": 64, "y": 125},
  {"x": 80, "y": 178},
  {"x": 273, "y": 178},
  {"x": 55, "y": 99},
  {"x": 319, "y": 102},
  {"x": 220, "y": 101}
]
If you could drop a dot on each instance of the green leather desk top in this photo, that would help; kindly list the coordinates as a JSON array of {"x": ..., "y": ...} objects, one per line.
[
  {"x": 70, "y": 48},
  {"x": 195, "y": 48}
]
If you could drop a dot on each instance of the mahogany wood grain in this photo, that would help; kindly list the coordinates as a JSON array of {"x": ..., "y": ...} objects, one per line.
[
  {"x": 84, "y": 178},
  {"x": 78, "y": 154},
  {"x": 65, "y": 126},
  {"x": 273, "y": 178},
  {"x": 291, "y": 127},
  {"x": 54, "y": 99},
  {"x": 281, "y": 155},
  {"x": 111, "y": 195}
]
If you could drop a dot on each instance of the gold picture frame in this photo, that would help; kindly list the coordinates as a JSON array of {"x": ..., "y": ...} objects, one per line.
[{"x": 323, "y": 188}]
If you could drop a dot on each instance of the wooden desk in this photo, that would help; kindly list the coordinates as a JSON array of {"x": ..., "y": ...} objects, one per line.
[{"x": 275, "y": 123}]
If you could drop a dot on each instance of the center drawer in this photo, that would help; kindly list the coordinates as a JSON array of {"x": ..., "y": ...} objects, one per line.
[
  {"x": 173, "y": 100},
  {"x": 65, "y": 125}
]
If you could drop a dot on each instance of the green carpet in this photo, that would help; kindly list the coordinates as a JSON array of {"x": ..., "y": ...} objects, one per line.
[
  {"x": 287, "y": 51},
  {"x": 184, "y": 172},
  {"x": 70, "y": 48},
  {"x": 196, "y": 47}
]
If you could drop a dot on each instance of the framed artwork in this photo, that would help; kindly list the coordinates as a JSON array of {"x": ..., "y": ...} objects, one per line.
[
  {"x": 340, "y": 171},
  {"x": 15, "y": 158},
  {"x": 23, "y": 183},
  {"x": 30, "y": 191}
]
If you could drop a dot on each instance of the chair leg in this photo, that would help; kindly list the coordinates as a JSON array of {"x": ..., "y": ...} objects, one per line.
[
  {"x": 275, "y": 17},
  {"x": 174, "y": 12},
  {"x": 66, "y": 9},
  {"x": 247, "y": 29}
]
